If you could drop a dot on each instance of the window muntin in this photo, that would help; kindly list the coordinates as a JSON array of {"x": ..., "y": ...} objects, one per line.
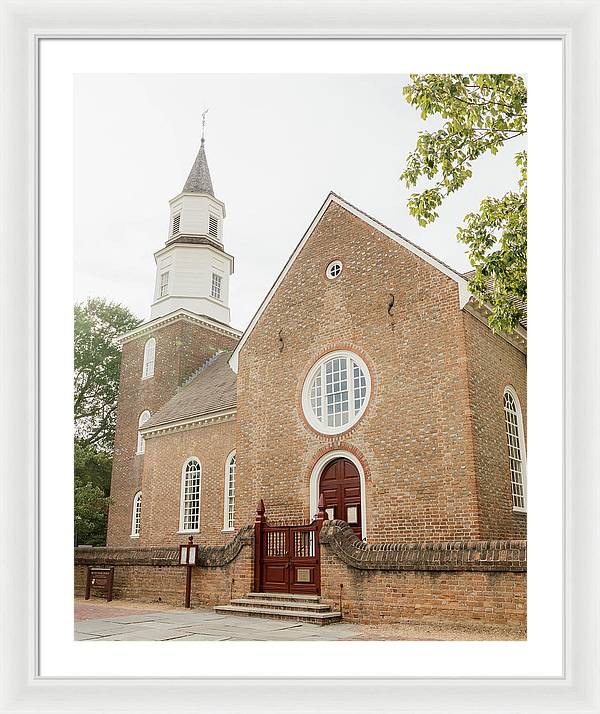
[
  {"x": 213, "y": 226},
  {"x": 215, "y": 288},
  {"x": 516, "y": 449},
  {"x": 164, "y": 284},
  {"x": 176, "y": 224},
  {"x": 141, "y": 444},
  {"x": 229, "y": 493},
  {"x": 149, "y": 356},
  {"x": 189, "y": 517},
  {"x": 136, "y": 517},
  {"x": 336, "y": 392},
  {"x": 334, "y": 269}
]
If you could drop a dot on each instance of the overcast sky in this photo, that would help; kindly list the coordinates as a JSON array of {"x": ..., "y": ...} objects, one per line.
[{"x": 276, "y": 145}]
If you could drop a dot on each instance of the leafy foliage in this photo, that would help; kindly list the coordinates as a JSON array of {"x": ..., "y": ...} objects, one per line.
[
  {"x": 93, "y": 466},
  {"x": 480, "y": 113},
  {"x": 96, "y": 381},
  {"x": 97, "y": 365},
  {"x": 91, "y": 512}
]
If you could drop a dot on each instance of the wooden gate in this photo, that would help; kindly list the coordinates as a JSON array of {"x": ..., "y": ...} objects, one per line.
[{"x": 286, "y": 558}]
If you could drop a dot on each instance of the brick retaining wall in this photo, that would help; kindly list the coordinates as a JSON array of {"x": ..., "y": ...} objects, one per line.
[
  {"x": 482, "y": 581},
  {"x": 153, "y": 574}
]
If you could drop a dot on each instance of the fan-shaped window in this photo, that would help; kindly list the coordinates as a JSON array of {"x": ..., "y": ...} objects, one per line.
[
  {"x": 189, "y": 513},
  {"x": 516, "y": 449},
  {"x": 141, "y": 446},
  {"x": 136, "y": 517},
  {"x": 229, "y": 492},
  {"x": 149, "y": 354}
]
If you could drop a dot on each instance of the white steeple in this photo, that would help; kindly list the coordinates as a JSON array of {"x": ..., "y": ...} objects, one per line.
[{"x": 193, "y": 269}]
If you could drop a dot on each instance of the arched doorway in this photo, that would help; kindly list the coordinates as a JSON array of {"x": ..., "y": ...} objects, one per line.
[{"x": 340, "y": 485}]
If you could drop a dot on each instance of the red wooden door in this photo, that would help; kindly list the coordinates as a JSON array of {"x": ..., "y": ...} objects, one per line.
[{"x": 340, "y": 485}]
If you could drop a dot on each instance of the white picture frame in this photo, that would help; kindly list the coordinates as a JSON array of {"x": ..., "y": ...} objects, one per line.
[{"x": 23, "y": 25}]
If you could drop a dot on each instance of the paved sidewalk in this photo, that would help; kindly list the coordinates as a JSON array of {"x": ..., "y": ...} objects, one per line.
[
  {"x": 129, "y": 620},
  {"x": 199, "y": 625}
]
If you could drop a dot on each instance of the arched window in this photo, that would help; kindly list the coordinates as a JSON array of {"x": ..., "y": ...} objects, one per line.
[
  {"x": 516, "y": 448},
  {"x": 229, "y": 492},
  {"x": 336, "y": 392},
  {"x": 189, "y": 512},
  {"x": 149, "y": 355},
  {"x": 141, "y": 446},
  {"x": 136, "y": 517}
]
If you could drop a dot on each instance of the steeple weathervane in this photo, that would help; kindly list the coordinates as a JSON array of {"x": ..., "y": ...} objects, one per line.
[{"x": 204, "y": 113}]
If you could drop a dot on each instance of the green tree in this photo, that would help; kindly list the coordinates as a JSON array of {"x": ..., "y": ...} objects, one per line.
[
  {"x": 91, "y": 512},
  {"x": 97, "y": 364},
  {"x": 479, "y": 114},
  {"x": 93, "y": 466},
  {"x": 96, "y": 383}
]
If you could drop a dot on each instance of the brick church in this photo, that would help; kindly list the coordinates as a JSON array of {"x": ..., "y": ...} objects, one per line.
[{"x": 368, "y": 380}]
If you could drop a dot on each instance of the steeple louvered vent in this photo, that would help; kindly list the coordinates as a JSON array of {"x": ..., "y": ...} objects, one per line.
[
  {"x": 176, "y": 222},
  {"x": 213, "y": 226}
]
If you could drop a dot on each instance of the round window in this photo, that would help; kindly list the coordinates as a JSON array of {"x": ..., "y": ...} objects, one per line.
[
  {"x": 336, "y": 392},
  {"x": 334, "y": 269}
]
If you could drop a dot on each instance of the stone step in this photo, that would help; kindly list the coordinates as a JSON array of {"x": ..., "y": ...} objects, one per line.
[
  {"x": 284, "y": 596},
  {"x": 315, "y": 618},
  {"x": 282, "y": 604}
]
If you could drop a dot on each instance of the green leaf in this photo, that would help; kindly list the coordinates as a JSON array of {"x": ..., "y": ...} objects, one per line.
[{"x": 480, "y": 113}]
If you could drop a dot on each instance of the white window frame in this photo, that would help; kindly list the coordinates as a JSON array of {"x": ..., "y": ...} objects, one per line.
[
  {"x": 141, "y": 444},
  {"x": 228, "y": 499},
  {"x": 354, "y": 416},
  {"x": 218, "y": 283},
  {"x": 523, "y": 451},
  {"x": 163, "y": 288},
  {"x": 334, "y": 265},
  {"x": 136, "y": 515},
  {"x": 149, "y": 358},
  {"x": 182, "y": 495}
]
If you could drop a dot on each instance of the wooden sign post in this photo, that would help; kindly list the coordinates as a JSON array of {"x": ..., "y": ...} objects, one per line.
[{"x": 187, "y": 557}]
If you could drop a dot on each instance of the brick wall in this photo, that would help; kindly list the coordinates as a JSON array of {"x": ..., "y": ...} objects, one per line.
[
  {"x": 493, "y": 365},
  {"x": 415, "y": 439},
  {"x": 152, "y": 575},
  {"x": 460, "y": 582},
  {"x": 441, "y": 582},
  {"x": 181, "y": 347},
  {"x": 161, "y": 494}
]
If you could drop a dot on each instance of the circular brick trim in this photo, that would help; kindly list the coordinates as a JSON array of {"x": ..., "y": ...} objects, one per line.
[
  {"x": 309, "y": 364},
  {"x": 342, "y": 446}
]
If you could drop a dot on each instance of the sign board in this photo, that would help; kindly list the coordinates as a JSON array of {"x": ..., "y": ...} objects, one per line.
[
  {"x": 187, "y": 554},
  {"x": 100, "y": 581}
]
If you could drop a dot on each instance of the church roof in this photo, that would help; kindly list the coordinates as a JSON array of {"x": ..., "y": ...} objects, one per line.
[
  {"x": 199, "y": 179},
  {"x": 211, "y": 390}
]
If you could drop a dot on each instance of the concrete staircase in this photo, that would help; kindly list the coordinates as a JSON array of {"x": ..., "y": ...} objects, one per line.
[{"x": 282, "y": 606}]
